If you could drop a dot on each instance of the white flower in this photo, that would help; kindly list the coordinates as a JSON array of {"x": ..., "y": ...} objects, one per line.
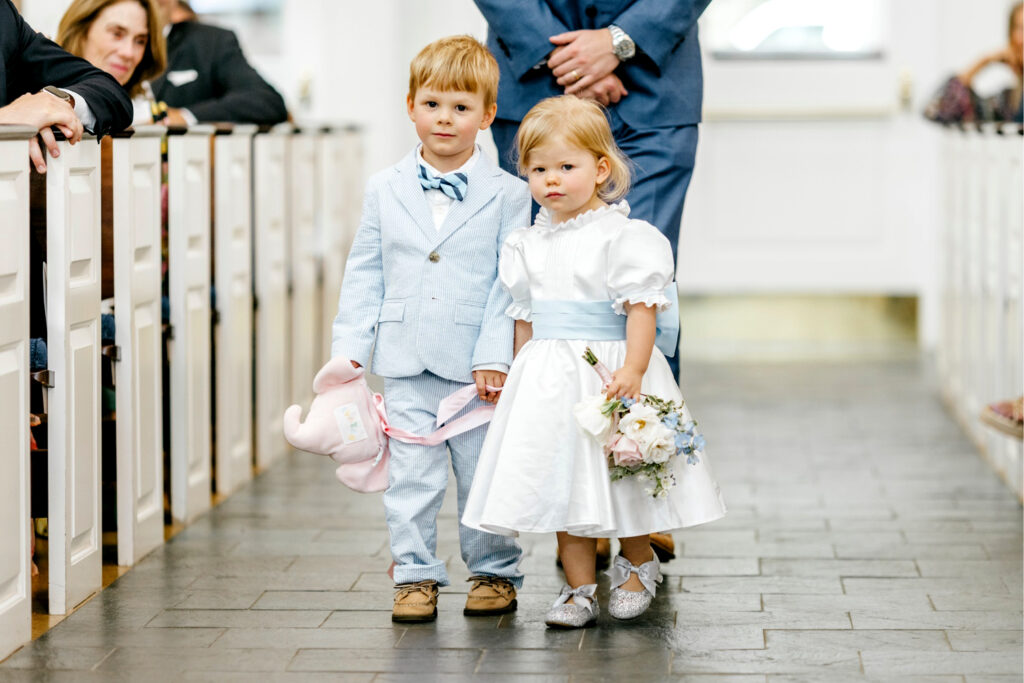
[
  {"x": 660, "y": 445},
  {"x": 591, "y": 419},
  {"x": 638, "y": 422}
]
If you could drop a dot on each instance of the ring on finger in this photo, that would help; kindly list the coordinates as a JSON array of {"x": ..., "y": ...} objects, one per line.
[{"x": 576, "y": 75}]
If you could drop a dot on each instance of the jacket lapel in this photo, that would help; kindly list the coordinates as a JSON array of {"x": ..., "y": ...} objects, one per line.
[
  {"x": 406, "y": 186},
  {"x": 482, "y": 187}
]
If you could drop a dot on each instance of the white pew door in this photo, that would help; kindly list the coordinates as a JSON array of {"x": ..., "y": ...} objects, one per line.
[
  {"x": 332, "y": 191},
  {"x": 138, "y": 378},
  {"x": 305, "y": 265},
  {"x": 15, "y": 577},
  {"x": 188, "y": 179},
  {"x": 73, "y": 351},
  {"x": 232, "y": 235},
  {"x": 270, "y": 284}
]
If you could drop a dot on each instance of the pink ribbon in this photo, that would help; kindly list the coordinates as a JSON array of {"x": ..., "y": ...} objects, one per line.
[{"x": 448, "y": 406}]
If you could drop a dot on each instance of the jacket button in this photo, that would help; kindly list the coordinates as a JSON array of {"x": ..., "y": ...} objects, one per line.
[
  {"x": 434, "y": 257},
  {"x": 591, "y": 11}
]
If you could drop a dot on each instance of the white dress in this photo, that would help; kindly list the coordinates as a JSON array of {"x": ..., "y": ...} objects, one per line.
[{"x": 538, "y": 471}]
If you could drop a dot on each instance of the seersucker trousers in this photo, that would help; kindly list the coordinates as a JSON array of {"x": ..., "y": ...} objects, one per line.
[{"x": 418, "y": 480}]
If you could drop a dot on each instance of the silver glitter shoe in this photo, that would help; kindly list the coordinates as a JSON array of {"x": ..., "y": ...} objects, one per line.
[
  {"x": 581, "y": 613},
  {"x": 624, "y": 604}
]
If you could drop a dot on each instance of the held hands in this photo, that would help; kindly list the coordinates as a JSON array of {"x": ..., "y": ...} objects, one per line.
[
  {"x": 625, "y": 383},
  {"x": 582, "y": 59},
  {"x": 608, "y": 90},
  {"x": 42, "y": 110},
  {"x": 488, "y": 377}
]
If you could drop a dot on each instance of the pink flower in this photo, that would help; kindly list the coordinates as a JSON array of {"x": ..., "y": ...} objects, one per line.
[{"x": 625, "y": 452}]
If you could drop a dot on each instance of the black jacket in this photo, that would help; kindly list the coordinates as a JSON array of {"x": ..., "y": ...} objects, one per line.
[
  {"x": 29, "y": 62},
  {"x": 224, "y": 86}
]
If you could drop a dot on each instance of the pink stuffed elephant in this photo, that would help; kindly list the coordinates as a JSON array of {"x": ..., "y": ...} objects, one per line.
[{"x": 344, "y": 423}]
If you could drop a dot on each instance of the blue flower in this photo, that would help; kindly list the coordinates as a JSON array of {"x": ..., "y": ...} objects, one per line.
[
  {"x": 698, "y": 442},
  {"x": 681, "y": 441},
  {"x": 670, "y": 420},
  {"x": 689, "y": 425},
  {"x": 692, "y": 459},
  {"x": 628, "y": 402}
]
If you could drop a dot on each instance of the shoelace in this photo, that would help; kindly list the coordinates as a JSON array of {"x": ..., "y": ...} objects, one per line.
[
  {"x": 498, "y": 585},
  {"x": 424, "y": 587}
]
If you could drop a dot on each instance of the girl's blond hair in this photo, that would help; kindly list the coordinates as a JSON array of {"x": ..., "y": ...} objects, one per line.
[
  {"x": 581, "y": 123},
  {"x": 78, "y": 19}
]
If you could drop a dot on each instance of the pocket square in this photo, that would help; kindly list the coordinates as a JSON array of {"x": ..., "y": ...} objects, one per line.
[{"x": 180, "y": 78}]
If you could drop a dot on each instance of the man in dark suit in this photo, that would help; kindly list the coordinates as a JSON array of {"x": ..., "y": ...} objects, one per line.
[
  {"x": 208, "y": 77},
  {"x": 641, "y": 60},
  {"x": 81, "y": 97}
]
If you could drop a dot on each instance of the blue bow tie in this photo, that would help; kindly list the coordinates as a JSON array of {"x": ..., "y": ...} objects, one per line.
[{"x": 452, "y": 184}]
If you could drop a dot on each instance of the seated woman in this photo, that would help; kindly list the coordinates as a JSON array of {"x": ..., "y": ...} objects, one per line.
[
  {"x": 123, "y": 38},
  {"x": 957, "y": 101}
]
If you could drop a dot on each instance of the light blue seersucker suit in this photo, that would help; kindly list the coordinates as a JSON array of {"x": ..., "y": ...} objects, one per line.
[{"x": 429, "y": 306}]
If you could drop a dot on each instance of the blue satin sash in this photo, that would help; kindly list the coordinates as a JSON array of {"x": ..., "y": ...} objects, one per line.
[{"x": 596, "y": 321}]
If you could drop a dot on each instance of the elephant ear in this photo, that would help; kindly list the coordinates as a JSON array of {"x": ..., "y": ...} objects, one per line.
[{"x": 338, "y": 370}]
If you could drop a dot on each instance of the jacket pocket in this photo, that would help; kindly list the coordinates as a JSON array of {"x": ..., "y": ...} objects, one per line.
[
  {"x": 469, "y": 314},
  {"x": 392, "y": 312}
]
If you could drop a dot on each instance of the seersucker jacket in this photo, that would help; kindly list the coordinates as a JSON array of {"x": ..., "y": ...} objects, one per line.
[{"x": 427, "y": 299}]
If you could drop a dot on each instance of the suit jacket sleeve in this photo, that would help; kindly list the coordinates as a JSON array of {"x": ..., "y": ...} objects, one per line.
[
  {"x": 246, "y": 96},
  {"x": 523, "y": 28},
  {"x": 494, "y": 345},
  {"x": 658, "y": 26},
  {"x": 36, "y": 62},
  {"x": 362, "y": 290}
]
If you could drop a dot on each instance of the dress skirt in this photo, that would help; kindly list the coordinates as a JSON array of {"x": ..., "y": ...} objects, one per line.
[{"x": 539, "y": 472}]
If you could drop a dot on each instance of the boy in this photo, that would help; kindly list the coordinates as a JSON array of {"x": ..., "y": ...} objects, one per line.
[{"x": 421, "y": 287}]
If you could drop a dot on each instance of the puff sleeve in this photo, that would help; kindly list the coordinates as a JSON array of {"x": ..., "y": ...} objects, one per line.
[
  {"x": 640, "y": 267},
  {"x": 514, "y": 276}
]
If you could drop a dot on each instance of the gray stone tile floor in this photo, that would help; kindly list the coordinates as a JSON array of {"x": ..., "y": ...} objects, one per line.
[{"x": 866, "y": 541}]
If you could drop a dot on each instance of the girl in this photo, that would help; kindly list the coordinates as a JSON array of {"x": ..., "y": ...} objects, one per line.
[{"x": 584, "y": 275}]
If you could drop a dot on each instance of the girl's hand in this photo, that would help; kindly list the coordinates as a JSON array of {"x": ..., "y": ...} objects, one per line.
[{"x": 625, "y": 383}]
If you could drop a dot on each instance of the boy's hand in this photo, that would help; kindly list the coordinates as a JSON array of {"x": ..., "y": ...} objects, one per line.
[
  {"x": 625, "y": 383},
  {"x": 485, "y": 377}
]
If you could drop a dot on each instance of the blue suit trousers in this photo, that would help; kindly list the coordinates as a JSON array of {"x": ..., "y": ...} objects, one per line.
[{"x": 418, "y": 480}]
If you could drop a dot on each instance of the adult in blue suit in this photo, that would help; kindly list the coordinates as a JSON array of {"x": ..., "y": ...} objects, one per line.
[{"x": 640, "y": 58}]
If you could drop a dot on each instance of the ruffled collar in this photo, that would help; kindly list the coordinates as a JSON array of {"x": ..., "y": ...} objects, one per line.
[{"x": 543, "y": 221}]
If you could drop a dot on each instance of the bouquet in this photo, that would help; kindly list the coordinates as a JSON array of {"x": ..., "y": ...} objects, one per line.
[{"x": 639, "y": 437}]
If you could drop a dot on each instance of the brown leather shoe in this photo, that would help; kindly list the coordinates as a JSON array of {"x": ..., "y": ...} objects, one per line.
[
  {"x": 415, "y": 602},
  {"x": 603, "y": 556},
  {"x": 490, "y": 595},
  {"x": 664, "y": 547}
]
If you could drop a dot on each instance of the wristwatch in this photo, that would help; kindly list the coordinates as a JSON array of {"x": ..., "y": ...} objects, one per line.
[
  {"x": 622, "y": 45},
  {"x": 61, "y": 94}
]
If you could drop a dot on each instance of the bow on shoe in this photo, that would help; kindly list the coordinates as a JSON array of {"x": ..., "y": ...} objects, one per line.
[
  {"x": 648, "y": 573},
  {"x": 584, "y": 593}
]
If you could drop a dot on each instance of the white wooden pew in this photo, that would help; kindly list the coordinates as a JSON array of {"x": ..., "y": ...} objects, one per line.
[
  {"x": 980, "y": 350},
  {"x": 232, "y": 247},
  {"x": 15, "y": 574},
  {"x": 270, "y": 287},
  {"x": 188, "y": 158},
  {"x": 305, "y": 268},
  {"x": 73, "y": 270},
  {"x": 137, "y": 174}
]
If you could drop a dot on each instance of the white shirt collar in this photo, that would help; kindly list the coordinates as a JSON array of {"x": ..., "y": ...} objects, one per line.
[{"x": 465, "y": 168}]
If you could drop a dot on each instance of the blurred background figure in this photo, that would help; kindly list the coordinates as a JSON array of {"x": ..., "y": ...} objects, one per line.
[
  {"x": 958, "y": 101},
  {"x": 208, "y": 78},
  {"x": 123, "y": 38}
]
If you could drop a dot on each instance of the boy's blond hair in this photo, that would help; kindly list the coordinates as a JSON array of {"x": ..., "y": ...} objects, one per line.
[
  {"x": 456, "y": 63},
  {"x": 582, "y": 123}
]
